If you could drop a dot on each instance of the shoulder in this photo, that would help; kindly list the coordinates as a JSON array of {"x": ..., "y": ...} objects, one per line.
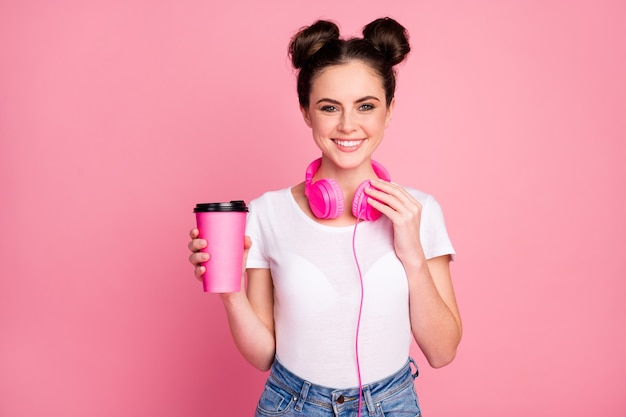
[
  {"x": 433, "y": 231},
  {"x": 270, "y": 198},
  {"x": 271, "y": 204},
  {"x": 423, "y": 197},
  {"x": 431, "y": 209}
]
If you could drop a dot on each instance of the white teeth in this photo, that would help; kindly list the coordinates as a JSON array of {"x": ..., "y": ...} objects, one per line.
[{"x": 348, "y": 143}]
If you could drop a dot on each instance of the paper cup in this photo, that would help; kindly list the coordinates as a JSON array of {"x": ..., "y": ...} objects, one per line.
[{"x": 223, "y": 226}]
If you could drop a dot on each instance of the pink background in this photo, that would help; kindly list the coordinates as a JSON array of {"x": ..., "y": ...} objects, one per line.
[{"x": 116, "y": 117}]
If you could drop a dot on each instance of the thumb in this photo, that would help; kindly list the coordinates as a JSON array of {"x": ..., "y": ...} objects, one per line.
[{"x": 247, "y": 243}]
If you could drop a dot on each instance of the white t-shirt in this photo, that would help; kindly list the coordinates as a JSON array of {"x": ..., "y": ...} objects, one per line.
[{"x": 317, "y": 288}]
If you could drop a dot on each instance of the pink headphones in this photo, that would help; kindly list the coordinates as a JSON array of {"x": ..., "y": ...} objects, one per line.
[{"x": 326, "y": 198}]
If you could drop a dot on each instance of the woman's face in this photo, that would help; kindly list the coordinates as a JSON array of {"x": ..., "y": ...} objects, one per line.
[{"x": 347, "y": 113}]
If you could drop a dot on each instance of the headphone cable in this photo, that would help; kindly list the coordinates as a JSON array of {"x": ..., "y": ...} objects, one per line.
[{"x": 358, "y": 322}]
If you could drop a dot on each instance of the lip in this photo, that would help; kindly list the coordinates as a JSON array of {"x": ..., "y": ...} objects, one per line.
[{"x": 348, "y": 145}]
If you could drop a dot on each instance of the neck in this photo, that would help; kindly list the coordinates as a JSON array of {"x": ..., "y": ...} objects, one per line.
[{"x": 347, "y": 178}]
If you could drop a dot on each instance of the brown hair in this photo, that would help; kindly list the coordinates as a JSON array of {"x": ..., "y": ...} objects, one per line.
[{"x": 385, "y": 43}]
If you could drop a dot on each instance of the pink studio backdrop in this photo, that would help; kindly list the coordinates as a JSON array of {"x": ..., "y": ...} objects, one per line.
[{"x": 116, "y": 117}]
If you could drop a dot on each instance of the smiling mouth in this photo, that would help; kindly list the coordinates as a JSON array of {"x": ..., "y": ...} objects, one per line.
[{"x": 348, "y": 143}]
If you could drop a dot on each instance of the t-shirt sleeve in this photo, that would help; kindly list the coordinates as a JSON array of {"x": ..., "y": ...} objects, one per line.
[
  {"x": 256, "y": 256},
  {"x": 433, "y": 232}
]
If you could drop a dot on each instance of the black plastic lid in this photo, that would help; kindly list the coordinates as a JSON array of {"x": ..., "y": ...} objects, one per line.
[{"x": 235, "y": 205}]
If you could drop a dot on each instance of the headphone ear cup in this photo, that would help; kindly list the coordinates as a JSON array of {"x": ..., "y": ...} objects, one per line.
[
  {"x": 360, "y": 208},
  {"x": 326, "y": 199}
]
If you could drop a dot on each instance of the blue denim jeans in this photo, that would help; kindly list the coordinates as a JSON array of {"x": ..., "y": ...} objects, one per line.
[{"x": 287, "y": 395}]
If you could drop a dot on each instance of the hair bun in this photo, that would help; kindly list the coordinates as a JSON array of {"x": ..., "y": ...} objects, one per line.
[
  {"x": 311, "y": 39},
  {"x": 390, "y": 38}
]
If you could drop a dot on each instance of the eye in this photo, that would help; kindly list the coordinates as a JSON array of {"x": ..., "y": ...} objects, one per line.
[
  {"x": 366, "y": 107},
  {"x": 328, "y": 109}
]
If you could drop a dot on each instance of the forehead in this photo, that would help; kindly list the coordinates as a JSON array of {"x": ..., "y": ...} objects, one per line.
[{"x": 352, "y": 79}]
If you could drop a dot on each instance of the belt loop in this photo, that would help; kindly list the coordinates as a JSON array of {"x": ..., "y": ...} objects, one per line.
[
  {"x": 302, "y": 398},
  {"x": 417, "y": 371},
  {"x": 367, "y": 395}
]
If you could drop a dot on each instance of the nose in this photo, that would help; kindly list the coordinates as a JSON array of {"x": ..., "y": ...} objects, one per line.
[{"x": 346, "y": 123}]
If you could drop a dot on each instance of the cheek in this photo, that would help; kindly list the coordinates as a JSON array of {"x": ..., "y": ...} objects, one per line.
[
  {"x": 378, "y": 124},
  {"x": 322, "y": 124}
]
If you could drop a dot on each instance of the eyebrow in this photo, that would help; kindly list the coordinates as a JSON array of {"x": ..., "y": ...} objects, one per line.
[{"x": 361, "y": 100}]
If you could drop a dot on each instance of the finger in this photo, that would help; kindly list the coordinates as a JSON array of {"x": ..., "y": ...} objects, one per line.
[
  {"x": 197, "y": 244},
  {"x": 391, "y": 188},
  {"x": 380, "y": 188},
  {"x": 194, "y": 233},
  {"x": 199, "y": 271},
  {"x": 384, "y": 208},
  {"x": 197, "y": 258},
  {"x": 391, "y": 200},
  {"x": 399, "y": 208},
  {"x": 247, "y": 243}
]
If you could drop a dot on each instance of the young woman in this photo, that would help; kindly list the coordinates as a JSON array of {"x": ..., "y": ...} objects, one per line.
[{"x": 344, "y": 267}]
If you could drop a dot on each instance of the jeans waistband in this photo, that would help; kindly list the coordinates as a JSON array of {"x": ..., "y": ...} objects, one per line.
[{"x": 338, "y": 399}]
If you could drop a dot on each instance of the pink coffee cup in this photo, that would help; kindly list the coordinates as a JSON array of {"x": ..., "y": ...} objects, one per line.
[{"x": 223, "y": 226}]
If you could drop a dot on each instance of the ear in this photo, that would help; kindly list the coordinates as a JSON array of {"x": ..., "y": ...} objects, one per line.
[
  {"x": 306, "y": 116},
  {"x": 390, "y": 111}
]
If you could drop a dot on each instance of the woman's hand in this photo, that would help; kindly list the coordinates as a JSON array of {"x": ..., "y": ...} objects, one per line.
[
  {"x": 405, "y": 213},
  {"x": 435, "y": 318},
  {"x": 197, "y": 258},
  {"x": 250, "y": 316}
]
